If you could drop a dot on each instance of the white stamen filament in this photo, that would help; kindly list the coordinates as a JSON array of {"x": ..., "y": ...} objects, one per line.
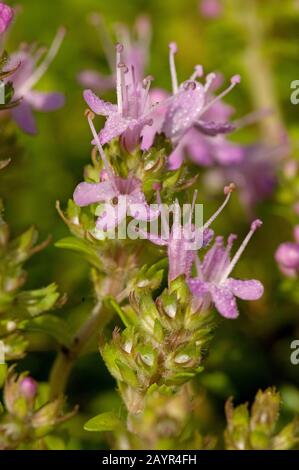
[
  {"x": 148, "y": 81},
  {"x": 209, "y": 80},
  {"x": 100, "y": 148},
  {"x": 119, "y": 49},
  {"x": 43, "y": 67},
  {"x": 254, "y": 226},
  {"x": 198, "y": 72},
  {"x": 193, "y": 206},
  {"x": 229, "y": 189},
  {"x": 174, "y": 78},
  {"x": 234, "y": 82}
]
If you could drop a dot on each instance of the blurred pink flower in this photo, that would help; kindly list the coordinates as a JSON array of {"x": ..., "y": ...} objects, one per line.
[
  {"x": 6, "y": 16},
  {"x": 135, "y": 52},
  {"x": 25, "y": 78},
  {"x": 287, "y": 256},
  {"x": 210, "y": 8}
]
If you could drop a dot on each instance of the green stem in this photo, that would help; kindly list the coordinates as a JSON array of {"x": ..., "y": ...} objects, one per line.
[
  {"x": 260, "y": 74},
  {"x": 97, "y": 320}
]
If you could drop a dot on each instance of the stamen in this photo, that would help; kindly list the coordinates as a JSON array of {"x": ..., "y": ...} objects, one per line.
[
  {"x": 198, "y": 72},
  {"x": 90, "y": 116},
  {"x": 146, "y": 83},
  {"x": 227, "y": 191},
  {"x": 209, "y": 80},
  {"x": 254, "y": 226},
  {"x": 193, "y": 206},
  {"x": 43, "y": 67},
  {"x": 174, "y": 79},
  {"x": 119, "y": 49},
  {"x": 235, "y": 80}
]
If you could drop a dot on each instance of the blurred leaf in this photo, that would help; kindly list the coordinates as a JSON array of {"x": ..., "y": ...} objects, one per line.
[{"x": 104, "y": 422}]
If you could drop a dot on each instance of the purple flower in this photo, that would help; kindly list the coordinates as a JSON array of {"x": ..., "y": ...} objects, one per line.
[
  {"x": 193, "y": 112},
  {"x": 135, "y": 53},
  {"x": 254, "y": 173},
  {"x": 6, "y": 16},
  {"x": 183, "y": 240},
  {"x": 25, "y": 78},
  {"x": 132, "y": 112},
  {"x": 210, "y": 8},
  {"x": 287, "y": 256},
  {"x": 213, "y": 283},
  {"x": 114, "y": 189}
]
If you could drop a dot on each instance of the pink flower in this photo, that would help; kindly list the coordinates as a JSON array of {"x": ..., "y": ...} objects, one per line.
[
  {"x": 192, "y": 112},
  {"x": 113, "y": 188},
  {"x": 6, "y": 16},
  {"x": 132, "y": 112},
  {"x": 287, "y": 256},
  {"x": 25, "y": 78},
  {"x": 213, "y": 283},
  {"x": 183, "y": 241},
  {"x": 210, "y": 8}
]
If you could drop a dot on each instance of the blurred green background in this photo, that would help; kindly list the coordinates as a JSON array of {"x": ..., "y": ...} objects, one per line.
[{"x": 247, "y": 354}]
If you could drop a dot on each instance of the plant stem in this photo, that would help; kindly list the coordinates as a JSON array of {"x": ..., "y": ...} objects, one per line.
[
  {"x": 97, "y": 320},
  {"x": 260, "y": 74}
]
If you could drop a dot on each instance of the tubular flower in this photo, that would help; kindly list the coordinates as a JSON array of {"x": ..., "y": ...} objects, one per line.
[
  {"x": 132, "y": 112},
  {"x": 213, "y": 283},
  {"x": 113, "y": 188},
  {"x": 27, "y": 74}
]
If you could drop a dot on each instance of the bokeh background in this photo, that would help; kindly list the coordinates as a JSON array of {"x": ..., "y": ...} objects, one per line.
[{"x": 247, "y": 354}]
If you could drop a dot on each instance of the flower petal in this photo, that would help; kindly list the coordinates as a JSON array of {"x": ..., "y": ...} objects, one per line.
[
  {"x": 96, "y": 81},
  {"x": 23, "y": 116},
  {"x": 45, "y": 101},
  {"x": 246, "y": 290},
  {"x": 88, "y": 193},
  {"x": 115, "y": 126},
  {"x": 97, "y": 105},
  {"x": 198, "y": 287},
  {"x": 212, "y": 128},
  {"x": 224, "y": 301},
  {"x": 183, "y": 111}
]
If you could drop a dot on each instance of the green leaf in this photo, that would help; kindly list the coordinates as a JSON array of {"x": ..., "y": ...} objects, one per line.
[
  {"x": 104, "y": 422},
  {"x": 82, "y": 247},
  {"x": 52, "y": 325}
]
